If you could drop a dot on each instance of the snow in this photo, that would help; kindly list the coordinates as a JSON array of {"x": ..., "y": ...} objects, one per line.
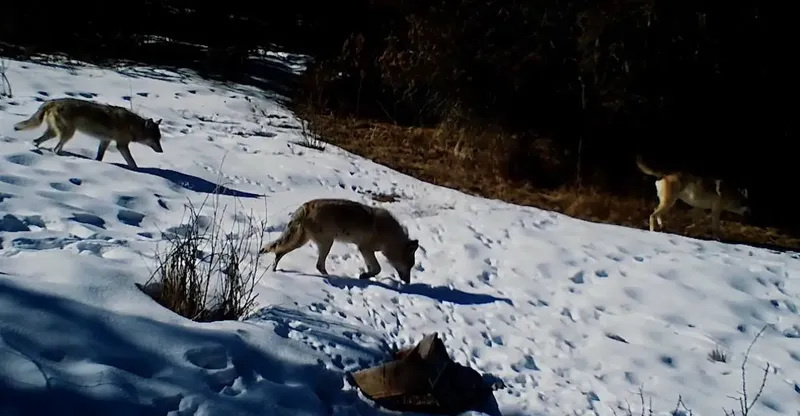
[{"x": 573, "y": 316}]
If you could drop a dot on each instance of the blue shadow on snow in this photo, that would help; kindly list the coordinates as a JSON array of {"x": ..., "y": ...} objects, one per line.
[
  {"x": 331, "y": 331},
  {"x": 43, "y": 337},
  {"x": 439, "y": 293},
  {"x": 192, "y": 183},
  {"x": 183, "y": 180}
]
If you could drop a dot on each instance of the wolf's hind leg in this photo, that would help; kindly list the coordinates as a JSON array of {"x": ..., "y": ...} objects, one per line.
[{"x": 47, "y": 135}]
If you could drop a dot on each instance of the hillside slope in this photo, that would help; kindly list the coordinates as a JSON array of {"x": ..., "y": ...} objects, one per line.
[{"x": 573, "y": 316}]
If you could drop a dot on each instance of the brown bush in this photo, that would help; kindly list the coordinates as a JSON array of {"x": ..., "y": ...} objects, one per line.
[
  {"x": 564, "y": 94},
  {"x": 427, "y": 154}
]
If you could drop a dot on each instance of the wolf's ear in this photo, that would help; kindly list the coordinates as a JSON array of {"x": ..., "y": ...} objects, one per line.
[
  {"x": 412, "y": 245},
  {"x": 158, "y": 122}
]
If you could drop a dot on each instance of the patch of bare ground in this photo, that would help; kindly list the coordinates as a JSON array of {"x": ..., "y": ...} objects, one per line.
[
  {"x": 421, "y": 153},
  {"x": 383, "y": 196}
]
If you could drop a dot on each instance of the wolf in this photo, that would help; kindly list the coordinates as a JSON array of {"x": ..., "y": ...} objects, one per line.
[
  {"x": 370, "y": 228},
  {"x": 65, "y": 116},
  {"x": 698, "y": 192}
]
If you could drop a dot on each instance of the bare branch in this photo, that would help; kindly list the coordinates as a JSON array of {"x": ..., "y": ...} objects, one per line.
[
  {"x": 743, "y": 404},
  {"x": 5, "y": 84},
  {"x": 641, "y": 398}
]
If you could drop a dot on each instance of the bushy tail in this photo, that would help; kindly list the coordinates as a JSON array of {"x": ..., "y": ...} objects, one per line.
[
  {"x": 646, "y": 169},
  {"x": 294, "y": 234},
  {"x": 34, "y": 121}
]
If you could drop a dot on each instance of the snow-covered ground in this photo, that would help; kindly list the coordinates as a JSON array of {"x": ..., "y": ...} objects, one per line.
[{"x": 573, "y": 316}]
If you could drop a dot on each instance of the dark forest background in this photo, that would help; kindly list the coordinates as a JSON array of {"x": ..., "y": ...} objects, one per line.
[{"x": 541, "y": 102}]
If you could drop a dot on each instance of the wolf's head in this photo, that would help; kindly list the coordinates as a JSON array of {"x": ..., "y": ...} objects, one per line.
[
  {"x": 402, "y": 258},
  {"x": 733, "y": 198},
  {"x": 152, "y": 135},
  {"x": 737, "y": 200},
  {"x": 743, "y": 202}
]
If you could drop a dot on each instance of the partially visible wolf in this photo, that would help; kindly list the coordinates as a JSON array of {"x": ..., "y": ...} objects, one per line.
[
  {"x": 698, "y": 192},
  {"x": 370, "y": 228},
  {"x": 65, "y": 116}
]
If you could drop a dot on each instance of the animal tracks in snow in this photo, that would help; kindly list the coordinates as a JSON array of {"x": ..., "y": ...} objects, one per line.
[
  {"x": 572, "y": 316},
  {"x": 327, "y": 333}
]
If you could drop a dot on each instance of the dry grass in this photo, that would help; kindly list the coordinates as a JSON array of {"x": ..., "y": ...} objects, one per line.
[
  {"x": 718, "y": 355},
  {"x": 309, "y": 140},
  {"x": 440, "y": 157},
  {"x": 207, "y": 273},
  {"x": 5, "y": 84}
]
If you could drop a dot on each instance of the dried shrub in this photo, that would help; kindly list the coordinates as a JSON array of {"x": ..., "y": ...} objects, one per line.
[{"x": 207, "y": 274}]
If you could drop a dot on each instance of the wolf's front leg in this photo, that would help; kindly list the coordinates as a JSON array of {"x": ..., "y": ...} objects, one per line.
[
  {"x": 716, "y": 212},
  {"x": 323, "y": 249},
  {"x": 373, "y": 267},
  {"x": 101, "y": 149},
  {"x": 126, "y": 154}
]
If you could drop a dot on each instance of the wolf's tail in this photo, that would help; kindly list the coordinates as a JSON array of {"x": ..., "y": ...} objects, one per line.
[
  {"x": 646, "y": 169},
  {"x": 294, "y": 235},
  {"x": 35, "y": 120}
]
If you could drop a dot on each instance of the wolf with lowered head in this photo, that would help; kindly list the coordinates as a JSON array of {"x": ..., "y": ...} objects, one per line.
[
  {"x": 105, "y": 122},
  {"x": 370, "y": 228}
]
